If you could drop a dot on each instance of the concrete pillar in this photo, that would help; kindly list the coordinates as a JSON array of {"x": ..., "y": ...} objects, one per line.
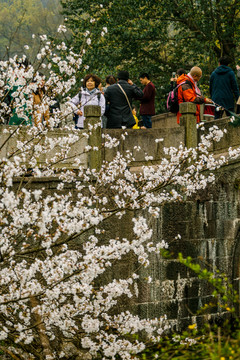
[
  {"x": 92, "y": 115},
  {"x": 188, "y": 119}
]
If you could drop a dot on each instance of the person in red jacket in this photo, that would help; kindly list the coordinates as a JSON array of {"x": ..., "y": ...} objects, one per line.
[
  {"x": 189, "y": 91},
  {"x": 147, "y": 107}
]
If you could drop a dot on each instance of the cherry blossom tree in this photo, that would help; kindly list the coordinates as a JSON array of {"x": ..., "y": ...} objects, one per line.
[{"x": 54, "y": 248}]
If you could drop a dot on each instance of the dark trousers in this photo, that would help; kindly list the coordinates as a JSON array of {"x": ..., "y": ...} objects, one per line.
[
  {"x": 147, "y": 122},
  {"x": 219, "y": 114}
]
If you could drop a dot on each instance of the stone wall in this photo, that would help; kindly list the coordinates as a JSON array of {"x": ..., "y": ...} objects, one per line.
[
  {"x": 146, "y": 140},
  {"x": 208, "y": 224},
  {"x": 9, "y": 144},
  {"x": 230, "y": 139},
  {"x": 164, "y": 121}
]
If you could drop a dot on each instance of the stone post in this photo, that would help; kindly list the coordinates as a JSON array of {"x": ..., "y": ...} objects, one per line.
[
  {"x": 92, "y": 114},
  {"x": 188, "y": 119}
]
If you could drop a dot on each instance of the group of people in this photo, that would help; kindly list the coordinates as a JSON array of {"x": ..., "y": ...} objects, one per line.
[
  {"x": 116, "y": 98},
  {"x": 23, "y": 114},
  {"x": 224, "y": 90},
  {"x": 115, "y": 101}
]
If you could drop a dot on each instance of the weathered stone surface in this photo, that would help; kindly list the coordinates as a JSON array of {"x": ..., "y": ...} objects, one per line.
[
  {"x": 209, "y": 229},
  {"x": 77, "y": 149},
  {"x": 72, "y": 352},
  {"x": 208, "y": 222}
]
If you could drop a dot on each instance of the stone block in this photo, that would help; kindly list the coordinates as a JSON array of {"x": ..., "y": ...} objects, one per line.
[
  {"x": 209, "y": 229},
  {"x": 176, "y": 269},
  {"x": 144, "y": 292},
  {"x": 187, "y": 108},
  {"x": 92, "y": 111},
  {"x": 193, "y": 248},
  {"x": 170, "y": 308}
]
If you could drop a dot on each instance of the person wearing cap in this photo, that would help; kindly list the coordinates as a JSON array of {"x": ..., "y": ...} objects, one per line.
[{"x": 119, "y": 98}]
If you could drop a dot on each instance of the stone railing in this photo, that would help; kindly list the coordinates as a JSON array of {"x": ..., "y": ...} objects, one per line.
[{"x": 147, "y": 140}]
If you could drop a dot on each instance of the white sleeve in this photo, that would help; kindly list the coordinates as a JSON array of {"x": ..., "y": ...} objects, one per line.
[
  {"x": 74, "y": 102},
  {"x": 102, "y": 104}
]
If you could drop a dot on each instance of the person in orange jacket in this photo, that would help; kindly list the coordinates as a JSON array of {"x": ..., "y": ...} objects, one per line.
[{"x": 188, "y": 91}]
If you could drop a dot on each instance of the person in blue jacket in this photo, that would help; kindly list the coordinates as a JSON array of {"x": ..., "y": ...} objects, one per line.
[{"x": 223, "y": 87}]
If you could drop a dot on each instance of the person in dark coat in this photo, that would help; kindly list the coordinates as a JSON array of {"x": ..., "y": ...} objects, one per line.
[
  {"x": 223, "y": 87},
  {"x": 238, "y": 102},
  {"x": 119, "y": 113}
]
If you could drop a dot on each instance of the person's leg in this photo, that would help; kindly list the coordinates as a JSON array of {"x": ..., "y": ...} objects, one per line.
[
  {"x": 147, "y": 122},
  {"x": 228, "y": 113}
]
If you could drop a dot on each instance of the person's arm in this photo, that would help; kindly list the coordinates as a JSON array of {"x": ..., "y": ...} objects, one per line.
[
  {"x": 234, "y": 86},
  {"x": 102, "y": 104},
  {"x": 189, "y": 95},
  {"x": 74, "y": 102},
  {"x": 173, "y": 84},
  {"x": 106, "y": 95},
  {"x": 137, "y": 92}
]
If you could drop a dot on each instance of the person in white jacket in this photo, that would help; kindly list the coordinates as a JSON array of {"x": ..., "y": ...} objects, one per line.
[{"x": 88, "y": 95}]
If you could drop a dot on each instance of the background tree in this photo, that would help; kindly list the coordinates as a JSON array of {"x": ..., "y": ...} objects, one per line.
[
  {"x": 19, "y": 19},
  {"x": 156, "y": 36}
]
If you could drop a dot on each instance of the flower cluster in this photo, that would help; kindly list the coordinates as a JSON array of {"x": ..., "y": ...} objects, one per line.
[{"x": 56, "y": 250}]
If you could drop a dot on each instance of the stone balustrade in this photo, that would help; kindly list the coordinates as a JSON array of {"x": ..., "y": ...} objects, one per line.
[{"x": 165, "y": 129}]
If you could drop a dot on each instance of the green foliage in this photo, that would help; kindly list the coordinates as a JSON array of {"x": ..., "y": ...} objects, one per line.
[
  {"x": 214, "y": 340},
  {"x": 155, "y": 36},
  {"x": 223, "y": 289},
  {"x": 20, "y": 19},
  {"x": 211, "y": 344}
]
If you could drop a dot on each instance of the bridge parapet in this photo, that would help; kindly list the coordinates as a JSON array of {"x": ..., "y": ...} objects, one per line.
[
  {"x": 169, "y": 121},
  {"x": 147, "y": 146}
]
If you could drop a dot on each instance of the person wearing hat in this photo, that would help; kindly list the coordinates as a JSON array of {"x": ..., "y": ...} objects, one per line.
[{"x": 119, "y": 102}]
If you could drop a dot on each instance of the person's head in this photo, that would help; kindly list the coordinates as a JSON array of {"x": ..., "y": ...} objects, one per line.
[
  {"x": 144, "y": 78},
  {"x": 134, "y": 110},
  {"x": 110, "y": 80},
  {"x": 224, "y": 60},
  {"x": 196, "y": 73},
  {"x": 123, "y": 75},
  {"x": 180, "y": 72},
  {"x": 91, "y": 81}
]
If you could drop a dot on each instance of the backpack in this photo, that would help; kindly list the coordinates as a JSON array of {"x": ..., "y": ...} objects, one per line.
[
  {"x": 172, "y": 99},
  {"x": 75, "y": 116}
]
